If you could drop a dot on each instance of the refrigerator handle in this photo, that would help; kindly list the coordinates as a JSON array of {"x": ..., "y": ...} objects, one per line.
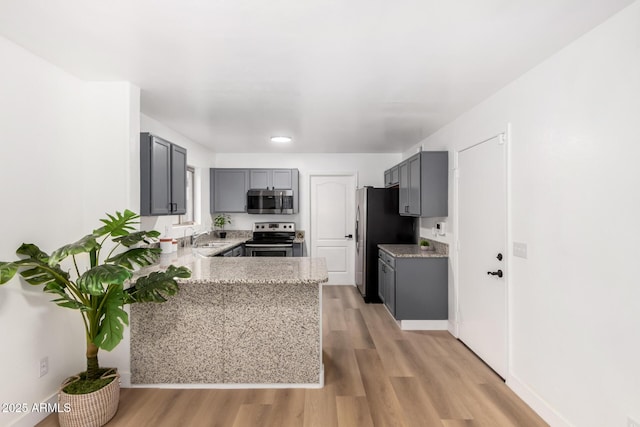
[{"x": 357, "y": 228}]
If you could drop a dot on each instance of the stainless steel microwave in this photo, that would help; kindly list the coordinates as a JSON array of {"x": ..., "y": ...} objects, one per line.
[{"x": 270, "y": 202}]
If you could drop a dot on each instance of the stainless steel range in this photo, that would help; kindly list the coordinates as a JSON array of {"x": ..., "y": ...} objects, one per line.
[{"x": 273, "y": 239}]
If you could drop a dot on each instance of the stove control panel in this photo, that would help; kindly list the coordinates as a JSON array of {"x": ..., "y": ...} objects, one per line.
[{"x": 274, "y": 226}]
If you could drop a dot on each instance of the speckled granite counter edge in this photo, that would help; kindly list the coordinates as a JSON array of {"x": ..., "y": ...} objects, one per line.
[{"x": 414, "y": 251}]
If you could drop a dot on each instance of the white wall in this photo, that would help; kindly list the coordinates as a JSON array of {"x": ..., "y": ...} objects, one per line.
[
  {"x": 575, "y": 145},
  {"x": 201, "y": 159},
  {"x": 64, "y": 154},
  {"x": 368, "y": 167}
]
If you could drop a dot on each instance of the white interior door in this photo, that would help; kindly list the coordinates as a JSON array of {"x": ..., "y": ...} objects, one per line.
[
  {"x": 482, "y": 225},
  {"x": 332, "y": 221}
]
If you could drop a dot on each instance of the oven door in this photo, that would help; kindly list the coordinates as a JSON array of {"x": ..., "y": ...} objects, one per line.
[{"x": 285, "y": 250}]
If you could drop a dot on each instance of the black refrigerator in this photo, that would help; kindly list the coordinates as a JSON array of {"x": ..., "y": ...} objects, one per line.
[{"x": 377, "y": 221}]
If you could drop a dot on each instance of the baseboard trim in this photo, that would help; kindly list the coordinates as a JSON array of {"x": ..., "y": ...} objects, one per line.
[
  {"x": 227, "y": 386},
  {"x": 453, "y": 328},
  {"x": 32, "y": 418},
  {"x": 423, "y": 325},
  {"x": 319, "y": 384},
  {"x": 536, "y": 402},
  {"x": 125, "y": 378}
]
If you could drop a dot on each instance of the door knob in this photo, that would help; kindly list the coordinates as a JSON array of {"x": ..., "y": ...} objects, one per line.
[
  {"x": 495, "y": 273},
  {"x": 349, "y": 236}
]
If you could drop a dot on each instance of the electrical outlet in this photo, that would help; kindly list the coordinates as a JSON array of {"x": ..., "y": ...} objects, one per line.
[
  {"x": 520, "y": 250},
  {"x": 44, "y": 366},
  {"x": 632, "y": 423}
]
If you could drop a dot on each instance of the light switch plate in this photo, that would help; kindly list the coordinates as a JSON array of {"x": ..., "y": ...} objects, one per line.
[{"x": 520, "y": 249}]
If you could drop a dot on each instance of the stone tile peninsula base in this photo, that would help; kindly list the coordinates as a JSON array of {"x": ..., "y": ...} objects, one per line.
[{"x": 220, "y": 332}]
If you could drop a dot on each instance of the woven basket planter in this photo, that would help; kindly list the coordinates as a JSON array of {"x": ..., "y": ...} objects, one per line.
[{"x": 91, "y": 409}]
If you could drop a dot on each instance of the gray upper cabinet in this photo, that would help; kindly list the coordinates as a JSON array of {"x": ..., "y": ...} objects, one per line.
[
  {"x": 277, "y": 179},
  {"x": 163, "y": 177},
  {"x": 403, "y": 193},
  {"x": 229, "y": 186},
  {"x": 259, "y": 178},
  {"x": 229, "y": 190},
  {"x": 179, "y": 179},
  {"x": 415, "y": 193},
  {"x": 424, "y": 184},
  {"x": 283, "y": 179},
  {"x": 391, "y": 176}
]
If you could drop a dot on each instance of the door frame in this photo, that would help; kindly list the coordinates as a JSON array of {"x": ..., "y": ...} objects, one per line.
[
  {"x": 506, "y": 135},
  {"x": 313, "y": 174}
]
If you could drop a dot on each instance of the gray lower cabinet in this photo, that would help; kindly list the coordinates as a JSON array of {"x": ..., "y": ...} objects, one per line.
[
  {"x": 387, "y": 280},
  {"x": 424, "y": 184},
  {"x": 238, "y": 251},
  {"x": 233, "y": 252},
  {"x": 163, "y": 177},
  {"x": 381, "y": 279},
  {"x": 298, "y": 249},
  {"x": 414, "y": 288},
  {"x": 229, "y": 190}
]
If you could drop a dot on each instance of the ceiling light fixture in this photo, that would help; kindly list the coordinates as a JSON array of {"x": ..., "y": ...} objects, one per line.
[{"x": 281, "y": 139}]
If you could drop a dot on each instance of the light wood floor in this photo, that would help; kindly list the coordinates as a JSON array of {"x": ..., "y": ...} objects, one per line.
[{"x": 375, "y": 375}]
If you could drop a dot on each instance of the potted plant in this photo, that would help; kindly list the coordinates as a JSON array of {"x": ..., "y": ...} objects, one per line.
[
  {"x": 219, "y": 222},
  {"x": 99, "y": 294},
  {"x": 425, "y": 245}
]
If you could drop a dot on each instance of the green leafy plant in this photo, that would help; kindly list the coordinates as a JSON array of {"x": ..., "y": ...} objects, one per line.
[
  {"x": 221, "y": 220},
  {"x": 98, "y": 293},
  {"x": 424, "y": 242}
]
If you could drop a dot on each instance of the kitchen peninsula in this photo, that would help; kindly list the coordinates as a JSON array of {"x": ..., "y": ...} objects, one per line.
[{"x": 237, "y": 321}]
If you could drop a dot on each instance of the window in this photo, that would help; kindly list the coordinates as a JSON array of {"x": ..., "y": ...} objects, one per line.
[{"x": 188, "y": 217}]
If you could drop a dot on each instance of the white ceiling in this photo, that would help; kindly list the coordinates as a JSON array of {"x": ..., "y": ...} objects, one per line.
[{"x": 337, "y": 75}]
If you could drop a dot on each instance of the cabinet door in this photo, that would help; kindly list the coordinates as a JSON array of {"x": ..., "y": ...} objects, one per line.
[
  {"x": 229, "y": 188},
  {"x": 260, "y": 179},
  {"x": 394, "y": 175},
  {"x": 387, "y": 178},
  {"x": 414, "y": 185},
  {"x": 390, "y": 289},
  {"x": 281, "y": 179},
  {"x": 421, "y": 289},
  {"x": 160, "y": 176},
  {"x": 403, "y": 181},
  {"x": 381, "y": 279},
  {"x": 178, "y": 180}
]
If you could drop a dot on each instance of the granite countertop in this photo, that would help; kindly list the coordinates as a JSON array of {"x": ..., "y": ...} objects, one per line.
[
  {"x": 414, "y": 251},
  {"x": 221, "y": 245},
  {"x": 230, "y": 270},
  {"x": 237, "y": 237}
]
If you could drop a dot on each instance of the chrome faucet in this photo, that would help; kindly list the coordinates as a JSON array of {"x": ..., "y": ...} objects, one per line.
[
  {"x": 195, "y": 236},
  {"x": 183, "y": 242}
]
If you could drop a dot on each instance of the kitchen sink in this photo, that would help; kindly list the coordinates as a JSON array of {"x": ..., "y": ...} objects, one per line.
[{"x": 212, "y": 245}]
